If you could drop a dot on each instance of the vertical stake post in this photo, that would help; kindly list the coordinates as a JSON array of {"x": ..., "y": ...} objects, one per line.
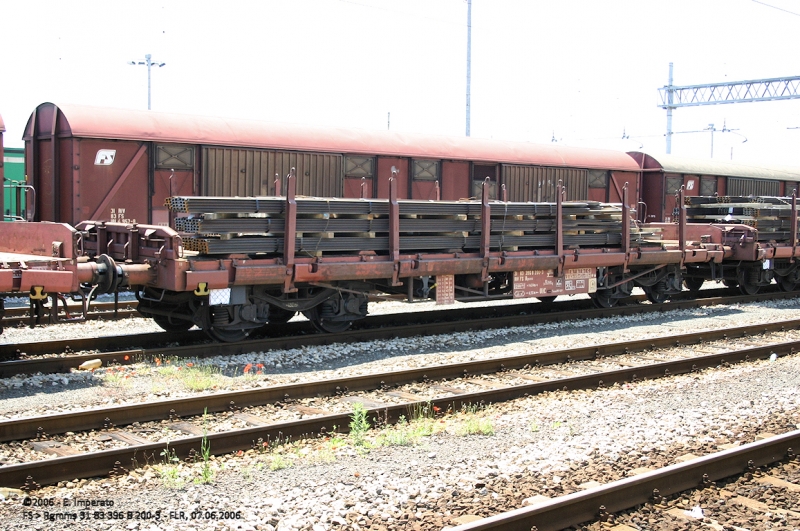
[
  {"x": 626, "y": 226},
  {"x": 560, "y": 228},
  {"x": 394, "y": 229},
  {"x": 794, "y": 224},
  {"x": 290, "y": 233},
  {"x": 682, "y": 223},
  {"x": 486, "y": 229}
]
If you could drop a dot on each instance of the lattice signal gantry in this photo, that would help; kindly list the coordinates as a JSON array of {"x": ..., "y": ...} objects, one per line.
[{"x": 782, "y": 88}]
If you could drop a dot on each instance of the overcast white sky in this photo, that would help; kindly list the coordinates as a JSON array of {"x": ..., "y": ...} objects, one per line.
[{"x": 582, "y": 70}]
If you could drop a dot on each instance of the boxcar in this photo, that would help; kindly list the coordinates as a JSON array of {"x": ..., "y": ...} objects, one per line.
[
  {"x": 119, "y": 165},
  {"x": 663, "y": 176}
]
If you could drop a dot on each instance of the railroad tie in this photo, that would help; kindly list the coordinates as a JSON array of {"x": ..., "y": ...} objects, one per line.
[
  {"x": 186, "y": 428},
  {"x": 762, "y": 507},
  {"x": 128, "y": 438},
  {"x": 53, "y": 447},
  {"x": 406, "y": 396},
  {"x": 450, "y": 390},
  {"x": 780, "y": 483},
  {"x": 530, "y": 377},
  {"x": 489, "y": 384},
  {"x": 366, "y": 402},
  {"x": 253, "y": 420},
  {"x": 307, "y": 410}
]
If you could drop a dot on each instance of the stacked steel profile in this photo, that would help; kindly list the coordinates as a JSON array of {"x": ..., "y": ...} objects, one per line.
[
  {"x": 225, "y": 225},
  {"x": 771, "y": 216}
]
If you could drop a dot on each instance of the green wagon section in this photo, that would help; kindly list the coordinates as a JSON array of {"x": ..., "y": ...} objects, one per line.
[{"x": 13, "y": 181}]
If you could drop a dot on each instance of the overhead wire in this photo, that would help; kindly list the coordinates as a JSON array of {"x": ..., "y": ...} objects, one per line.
[{"x": 778, "y": 8}]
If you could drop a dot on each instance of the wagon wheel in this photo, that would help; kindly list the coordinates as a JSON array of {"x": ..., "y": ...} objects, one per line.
[
  {"x": 748, "y": 288},
  {"x": 656, "y": 295},
  {"x": 171, "y": 324},
  {"x": 325, "y": 325},
  {"x": 604, "y": 299},
  {"x": 278, "y": 315},
  {"x": 787, "y": 283},
  {"x": 693, "y": 284},
  {"x": 220, "y": 333},
  {"x": 228, "y": 335}
]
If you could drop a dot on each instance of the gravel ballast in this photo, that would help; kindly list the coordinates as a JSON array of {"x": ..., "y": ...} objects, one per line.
[{"x": 543, "y": 445}]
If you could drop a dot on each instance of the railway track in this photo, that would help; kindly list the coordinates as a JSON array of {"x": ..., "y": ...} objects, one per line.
[
  {"x": 59, "y": 356},
  {"x": 694, "y": 478},
  {"x": 294, "y": 411},
  {"x": 20, "y": 315}
]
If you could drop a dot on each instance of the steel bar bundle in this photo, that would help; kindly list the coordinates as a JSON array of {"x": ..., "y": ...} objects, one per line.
[
  {"x": 256, "y": 226},
  {"x": 772, "y": 216}
]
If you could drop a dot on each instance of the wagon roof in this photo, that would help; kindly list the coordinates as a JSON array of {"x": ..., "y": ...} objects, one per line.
[
  {"x": 111, "y": 123},
  {"x": 754, "y": 170}
]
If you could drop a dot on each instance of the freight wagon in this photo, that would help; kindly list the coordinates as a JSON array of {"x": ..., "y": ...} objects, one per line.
[
  {"x": 250, "y": 223},
  {"x": 665, "y": 175}
]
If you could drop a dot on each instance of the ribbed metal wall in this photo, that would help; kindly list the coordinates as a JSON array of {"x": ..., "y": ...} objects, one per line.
[
  {"x": 535, "y": 183},
  {"x": 745, "y": 187},
  {"x": 251, "y": 172}
]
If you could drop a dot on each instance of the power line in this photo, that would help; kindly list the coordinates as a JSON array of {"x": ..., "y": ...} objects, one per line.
[{"x": 778, "y": 8}]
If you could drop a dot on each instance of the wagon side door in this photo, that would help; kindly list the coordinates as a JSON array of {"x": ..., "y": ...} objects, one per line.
[{"x": 173, "y": 174}]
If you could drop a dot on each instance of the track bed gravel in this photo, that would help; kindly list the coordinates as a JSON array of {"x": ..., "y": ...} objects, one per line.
[{"x": 545, "y": 445}]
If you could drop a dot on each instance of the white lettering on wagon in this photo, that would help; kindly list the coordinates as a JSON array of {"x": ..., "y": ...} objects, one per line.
[
  {"x": 118, "y": 215},
  {"x": 544, "y": 283},
  {"x": 105, "y": 157}
]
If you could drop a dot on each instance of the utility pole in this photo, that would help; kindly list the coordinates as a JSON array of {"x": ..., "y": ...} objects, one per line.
[
  {"x": 469, "y": 56},
  {"x": 711, "y": 128},
  {"x": 149, "y": 63},
  {"x": 670, "y": 94}
]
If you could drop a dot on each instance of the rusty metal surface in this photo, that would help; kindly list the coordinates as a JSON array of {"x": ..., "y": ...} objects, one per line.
[
  {"x": 573, "y": 509},
  {"x": 110, "y": 123},
  {"x": 47, "y": 240},
  {"x": 101, "y": 463},
  {"x": 251, "y": 172},
  {"x": 532, "y": 183},
  {"x": 122, "y": 415},
  {"x": 687, "y": 165}
]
